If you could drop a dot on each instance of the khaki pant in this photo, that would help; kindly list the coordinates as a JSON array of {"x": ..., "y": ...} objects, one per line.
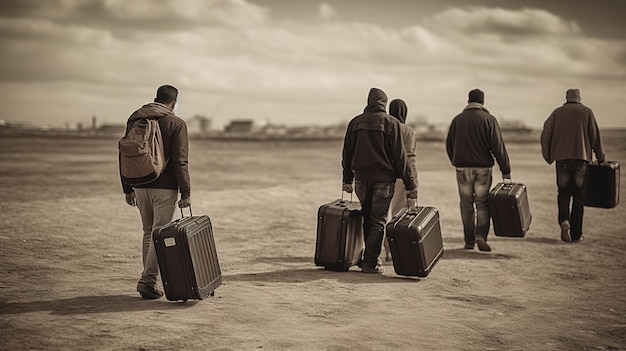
[{"x": 156, "y": 207}]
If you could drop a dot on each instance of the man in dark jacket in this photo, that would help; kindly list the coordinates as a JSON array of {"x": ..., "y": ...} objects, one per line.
[
  {"x": 474, "y": 139},
  {"x": 569, "y": 135},
  {"x": 157, "y": 200},
  {"x": 374, "y": 156}
]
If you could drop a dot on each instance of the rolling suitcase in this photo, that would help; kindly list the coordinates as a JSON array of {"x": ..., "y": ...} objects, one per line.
[
  {"x": 187, "y": 258},
  {"x": 414, "y": 237},
  {"x": 509, "y": 209},
  {"x": 339, "y": 243},
  {"x": 603, "y": 185}
]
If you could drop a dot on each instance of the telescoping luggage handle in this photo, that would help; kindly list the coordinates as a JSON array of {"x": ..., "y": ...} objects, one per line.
[
  {"x": 182, "y": 215},
  {"x": 342, "y": 195}
]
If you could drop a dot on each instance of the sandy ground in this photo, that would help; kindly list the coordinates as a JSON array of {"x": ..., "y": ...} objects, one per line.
[{"x": 70, "y": 259}]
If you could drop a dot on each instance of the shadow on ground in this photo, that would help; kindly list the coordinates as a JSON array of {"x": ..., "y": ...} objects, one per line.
[{"x": 91, "y": 304}]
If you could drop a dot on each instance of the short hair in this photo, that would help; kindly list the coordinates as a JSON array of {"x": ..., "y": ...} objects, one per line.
[
  {"x": 166, "y": 94},
  {"x": 476, "y": 95}
]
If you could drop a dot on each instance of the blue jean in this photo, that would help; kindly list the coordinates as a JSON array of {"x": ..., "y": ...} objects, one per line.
[
  {"x": 571, "y": 179},
  {"x": 474, "y": 184},
  {"x": 156, "y": 207},
  {"x": 375, "y": 198}
]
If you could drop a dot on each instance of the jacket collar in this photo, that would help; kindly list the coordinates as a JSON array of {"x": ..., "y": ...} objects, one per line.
[{"x": 475, "y": 106}]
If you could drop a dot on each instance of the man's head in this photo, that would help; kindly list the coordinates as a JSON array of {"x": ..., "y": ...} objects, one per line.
[
  {"x": 572, "y": 95},
  {"x": 166, "y": 95},
  {"x": 476, "y": 95}
]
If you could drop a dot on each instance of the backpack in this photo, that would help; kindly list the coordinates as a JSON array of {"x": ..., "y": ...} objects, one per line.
[{"x": 142, "y": 156}]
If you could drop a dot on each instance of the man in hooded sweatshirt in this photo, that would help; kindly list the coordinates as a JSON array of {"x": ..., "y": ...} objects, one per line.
[
  {"x": 474, "y": 139},
  {"x": 569, "y": 136},
  {"x": 399, "y": 110},
  {"x": 157, "y": 200},
  {"x": 374, "y": 156}
]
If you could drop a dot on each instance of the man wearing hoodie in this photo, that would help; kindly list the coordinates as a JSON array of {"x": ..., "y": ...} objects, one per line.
[
  {"x": 157, "y": 200},
  {"x": 374, "y": 156},
  {"x": 399, "y": 109},
  {"x": 569, "y": 136},
  {"x": 474, "y": 139}
]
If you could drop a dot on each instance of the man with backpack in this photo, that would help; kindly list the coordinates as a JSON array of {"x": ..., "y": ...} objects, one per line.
[{"x": 153, "y": 169}]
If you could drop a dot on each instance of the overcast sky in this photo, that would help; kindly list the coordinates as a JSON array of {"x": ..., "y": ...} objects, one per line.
[{"x": 308, "y": 62}]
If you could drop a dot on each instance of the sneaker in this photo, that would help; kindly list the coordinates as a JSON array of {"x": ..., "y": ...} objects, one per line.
[
  {"x": 482, "y": 245},
  {"x": 377, "y": 269},
  {"x": 565, "y": 235},
  {"x": 469, "y": 246},
  {"x": 582, "y": 238},
  {"x": 148, "y": 292}
]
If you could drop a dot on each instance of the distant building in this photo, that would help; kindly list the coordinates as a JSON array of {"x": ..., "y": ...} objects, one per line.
[
  {"x": 243, "y": 126},
  {"x": 199, "y": 125}
]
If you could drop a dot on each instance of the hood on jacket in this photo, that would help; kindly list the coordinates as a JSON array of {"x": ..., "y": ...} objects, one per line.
[
  {"x": 151, "y": 110},
  {"x": 398, "y": 109},
  {"x": 376, "y": 100}
]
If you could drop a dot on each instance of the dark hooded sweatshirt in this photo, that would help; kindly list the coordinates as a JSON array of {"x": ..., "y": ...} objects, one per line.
[
  {"x": 474, "y": 139},
  {"x": 399, "y": 110},
  {"x": 175, "y": 144},
  {"x": 373, "y": 150}
]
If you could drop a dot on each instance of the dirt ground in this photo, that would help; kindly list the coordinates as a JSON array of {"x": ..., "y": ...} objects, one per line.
[{"x": 70, "y": 259}]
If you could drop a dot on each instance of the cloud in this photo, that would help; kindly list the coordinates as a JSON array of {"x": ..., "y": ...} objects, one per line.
[
  {"x": 235, "y": 50},
  {"x": 483, "y": 20},
  {"x": 327, "y": 12}
]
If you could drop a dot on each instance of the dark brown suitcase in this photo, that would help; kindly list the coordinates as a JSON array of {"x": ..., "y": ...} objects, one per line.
[
  {"x": 509, "y": 209},
  {"x": 339, "y": 243},
  {"x": 603, "y": 185},
  {"x": 414, "y": 237},
  {"x": 187, "y": 258}
]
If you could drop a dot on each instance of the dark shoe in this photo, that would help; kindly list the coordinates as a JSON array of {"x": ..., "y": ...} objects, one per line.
[
  {"x": 377, "y": 269},
  {"x": 582, "y": 238},
  {"x": 469, "y": 246},
  {"x": 482, "y": 245},
  {"x": 148, "y": 292},
  {"x": 565, "y": 235}
]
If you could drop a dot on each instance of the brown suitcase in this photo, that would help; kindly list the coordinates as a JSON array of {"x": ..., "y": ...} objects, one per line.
[
  {"x": 414, "y": 237},
  {"x": 603, "y": 185},
  {"x": 509, "y": 209},
  {"x": 187, "y": 258},
  {"x": 339, "y": 243}
]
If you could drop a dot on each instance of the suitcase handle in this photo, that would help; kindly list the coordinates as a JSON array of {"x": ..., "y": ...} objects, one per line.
[
  {"x": 411, "y": 210},
  {"x": 341, "y": 196},
  {"x": 182, "y": 215}
]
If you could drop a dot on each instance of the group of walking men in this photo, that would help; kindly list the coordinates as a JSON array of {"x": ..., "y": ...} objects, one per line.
[
  {"x": 379, "y": 158},
  {"x": 379, "y": 147}
]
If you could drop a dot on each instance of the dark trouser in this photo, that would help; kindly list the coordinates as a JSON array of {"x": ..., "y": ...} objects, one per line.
[
  {"x": 375, "y": 199},
  {"x": 571, "y": 179},
  {"x": 474, "y": 184}
]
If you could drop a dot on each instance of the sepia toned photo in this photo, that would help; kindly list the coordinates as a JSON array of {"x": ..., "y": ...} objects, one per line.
[{"x": 312, "y": 175}]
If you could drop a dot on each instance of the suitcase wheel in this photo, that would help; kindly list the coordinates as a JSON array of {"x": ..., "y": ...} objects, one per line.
[{"x": 212, "y": 293}]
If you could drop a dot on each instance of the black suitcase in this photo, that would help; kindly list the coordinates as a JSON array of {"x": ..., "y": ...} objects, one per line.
[
  {"x": 339, "y": 243},
  {"x": 603, "y": 185},
  {"x": 414, "y": 237},
  {"x": 187, "y": 258},
  {"x": 509, "y": 209}
]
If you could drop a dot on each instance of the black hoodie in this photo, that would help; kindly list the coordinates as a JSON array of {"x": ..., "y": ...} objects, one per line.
[{"x": 373, "y": 150}]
